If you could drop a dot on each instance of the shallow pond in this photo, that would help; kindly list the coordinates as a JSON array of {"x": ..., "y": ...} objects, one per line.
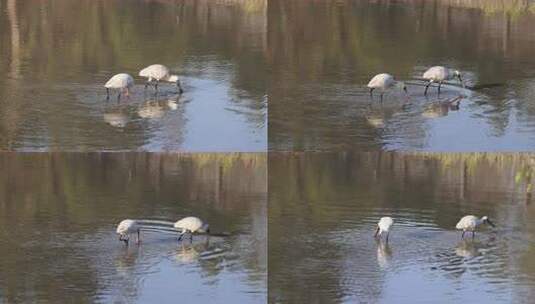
[
  {"x": 323, "y": 53},
  {"x": 57, "y": 55},
  {"x": 59, "y": 212},
  {"x": 323, "y": 210}
]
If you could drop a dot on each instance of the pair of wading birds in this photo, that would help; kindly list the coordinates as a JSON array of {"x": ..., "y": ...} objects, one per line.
[
  {"x": 467, "y": 223},
  {"x": 436, "y": 74},
  {"x": 188, "y": 225},
  {"x": 154, "y": 74}
]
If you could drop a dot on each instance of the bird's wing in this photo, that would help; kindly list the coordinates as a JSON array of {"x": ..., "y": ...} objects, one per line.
[{"x": 377, "y": 81}]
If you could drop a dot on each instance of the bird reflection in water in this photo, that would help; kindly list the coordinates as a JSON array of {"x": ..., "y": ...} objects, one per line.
[
  {"x": 156, "y": 108},
  {"x": 468, "y": 249},
  {"x": 384, "y": 254},
  {"x": 116, "y": 117},
  {"x": 442, "y": 108},
  {"x": 191, "y": 253}
]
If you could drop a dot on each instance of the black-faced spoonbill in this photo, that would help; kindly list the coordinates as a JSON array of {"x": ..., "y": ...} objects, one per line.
[
  {"x": 470, "y": 223},
  {"x": 440, "y": 74},
  {"x": 384, "y": 225},
  {"x": 385, "y": 82},
  {"x": 126, "y": 228},
  {"x": 191, "y": 225},
  {"x": 156, "y": 73},
  {"x": 121, "y": 82}
]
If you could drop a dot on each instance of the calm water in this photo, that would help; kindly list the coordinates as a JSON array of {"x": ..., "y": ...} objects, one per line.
[
  {"x": 323, "y": 53},
  {"x": 58, "y": 214},
  {"x": 56, "y": 55},
  {"x": 323, "y": 210}
]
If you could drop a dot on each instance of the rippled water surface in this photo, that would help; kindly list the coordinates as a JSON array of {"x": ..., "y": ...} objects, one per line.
[
  {"x": 323, "y": 53},
  {"x": 323, "y": 210},
  {"x": 55, "y": 57},
  {"x": 58, "y": 214}
]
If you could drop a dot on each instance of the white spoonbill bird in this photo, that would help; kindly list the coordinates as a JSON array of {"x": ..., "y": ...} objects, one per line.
[
  {"x": 385, "y": 82},
  {"x": 156, "y": 73},
  {"x": 470, "y": 223},
  {"x": 121, "y": 82},
  {"x": 440, "y": 74},
  {"x": 126, "y": 228},
  {"x": 384, "y": 225},
  {"x": 191, "y": 225}
]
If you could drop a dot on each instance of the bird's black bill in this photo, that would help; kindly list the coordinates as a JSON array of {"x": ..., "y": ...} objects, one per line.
[
  {"x": 376, "y": 232},
  {"x": 461, "y": 80},
  {"x": 491, "y": 223},
  {"x": 123, "y": 239}
]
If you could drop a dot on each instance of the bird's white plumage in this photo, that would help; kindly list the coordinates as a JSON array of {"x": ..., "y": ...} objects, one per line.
[
  {"x": 120, "y": 81},
  {"x": 469, "y": 223},
  {"x": 385, "y": 223},
  {"x": 439, "y": 74},
  {"x": 191, "y": 224},
  {"x": 127, "y": 226},
  {"x": 158, "y": 72},
  {"x": 382, "y": 81}
]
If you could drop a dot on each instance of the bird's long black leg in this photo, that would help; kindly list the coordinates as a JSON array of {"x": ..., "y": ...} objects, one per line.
[
  {"x": 462, "y": 235},
  {"x": 382, "y": 96},
  {"x": 427, "y": 87},
  {"x": 156, "y": 86},
  {"x": 138, "y": 236},
  {"x": 387, "y": 234},
  {"x": 473, "y": 234},
  {"x": 439, "y": 85},
  {"x": 180, "y": 90},
  {"x": 107, "y": 93},
  {"x": 191, "y": 238},
  {"x": 371, "y": 92}
]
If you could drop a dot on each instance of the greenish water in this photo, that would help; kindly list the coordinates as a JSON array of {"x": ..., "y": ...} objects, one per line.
[
  {"x": 323, "y": 53},
  {"x": 324, "y": 207},
  {"x": 59, "y": 212},
  {"x": 55, "y": 57}
]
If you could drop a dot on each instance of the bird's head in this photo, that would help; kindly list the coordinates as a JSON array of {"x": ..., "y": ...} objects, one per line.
[
  {"x": 458, "y": 75},
  {"x": 486, "y": 220},
  {"x": 401, "y": 85},
  {"x": 123, "y": 238},
  {"x": 174, "y": 78},
  {"x": 205, "y": 229}
]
